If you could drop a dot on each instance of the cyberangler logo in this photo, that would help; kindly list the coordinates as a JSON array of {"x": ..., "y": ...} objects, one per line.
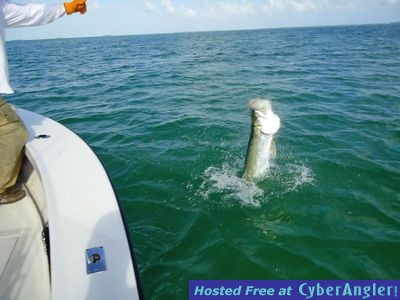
[{"x": 349, "y": 290}]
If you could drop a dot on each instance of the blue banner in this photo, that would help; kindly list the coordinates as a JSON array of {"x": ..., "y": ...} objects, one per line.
[{"x": 294, "y": 289}]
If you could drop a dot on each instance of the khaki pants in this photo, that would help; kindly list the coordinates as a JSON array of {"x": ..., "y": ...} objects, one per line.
[{"x": 13, "y": 136}]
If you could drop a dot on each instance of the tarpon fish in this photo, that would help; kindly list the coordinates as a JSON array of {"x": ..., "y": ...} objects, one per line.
[{"x": 261, "y": 148}]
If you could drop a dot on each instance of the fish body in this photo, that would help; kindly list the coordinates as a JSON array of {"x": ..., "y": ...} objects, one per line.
[{"x": 261, "y": 148}]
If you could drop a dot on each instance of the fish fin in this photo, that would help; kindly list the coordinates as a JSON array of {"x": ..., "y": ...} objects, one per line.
[{"x": 272, "y": 149}]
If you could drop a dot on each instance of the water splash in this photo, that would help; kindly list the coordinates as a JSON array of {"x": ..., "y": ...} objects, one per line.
[
  {"x": 225, "y": 184},
  {"x": 288, "y": 175},
  {"x": 300, "y": 175}
]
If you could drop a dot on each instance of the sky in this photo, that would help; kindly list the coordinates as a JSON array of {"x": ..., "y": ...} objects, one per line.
[{"x": 127, "y": 17}]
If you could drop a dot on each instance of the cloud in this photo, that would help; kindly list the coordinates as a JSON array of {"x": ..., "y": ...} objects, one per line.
[
  {"x": 169, "y": 7},
  {"x": 188, "y": 12},
  {"x": 277, "y": 6},
  {"x": 229, "y": 9},
  {"x": 94, "y": 4},
  {"x": 221, "y": 9},
  {"x": 308, "y": 5},
  {"x": 150, "y": 6}
]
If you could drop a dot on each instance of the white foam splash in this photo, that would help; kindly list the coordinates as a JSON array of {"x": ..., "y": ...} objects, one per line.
[
  {"x": 225, "y": 182},
  {"x": 300, "y": 175}
]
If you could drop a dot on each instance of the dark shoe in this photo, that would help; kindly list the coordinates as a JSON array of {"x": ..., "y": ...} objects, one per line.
[{"x": 8, "y": 196}]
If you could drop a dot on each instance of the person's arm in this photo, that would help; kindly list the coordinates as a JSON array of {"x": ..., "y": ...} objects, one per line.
[{"x": 32, "y": 14}]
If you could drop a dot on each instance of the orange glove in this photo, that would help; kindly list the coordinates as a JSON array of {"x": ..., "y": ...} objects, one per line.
[{"x": 75, "y": 6}]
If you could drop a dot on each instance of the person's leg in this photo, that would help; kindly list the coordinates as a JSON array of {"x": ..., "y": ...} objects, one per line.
[{"x": 13, "y": 136}]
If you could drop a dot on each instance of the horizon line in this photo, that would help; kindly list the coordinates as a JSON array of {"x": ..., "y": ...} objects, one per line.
[{"x": 203, "y": 31}]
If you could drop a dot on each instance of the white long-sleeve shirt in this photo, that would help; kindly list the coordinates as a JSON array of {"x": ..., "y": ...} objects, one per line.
[{"x": 18, "y": 15}]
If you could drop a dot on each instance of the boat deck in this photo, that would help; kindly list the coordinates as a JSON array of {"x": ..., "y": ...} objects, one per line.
[{"x": 24, "y": 269}]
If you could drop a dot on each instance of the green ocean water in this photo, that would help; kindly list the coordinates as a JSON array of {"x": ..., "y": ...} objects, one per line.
[{"x": 168, "y": 117}]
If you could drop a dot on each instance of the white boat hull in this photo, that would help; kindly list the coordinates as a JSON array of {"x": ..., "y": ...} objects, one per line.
[{"x": 90, "y": 253}]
